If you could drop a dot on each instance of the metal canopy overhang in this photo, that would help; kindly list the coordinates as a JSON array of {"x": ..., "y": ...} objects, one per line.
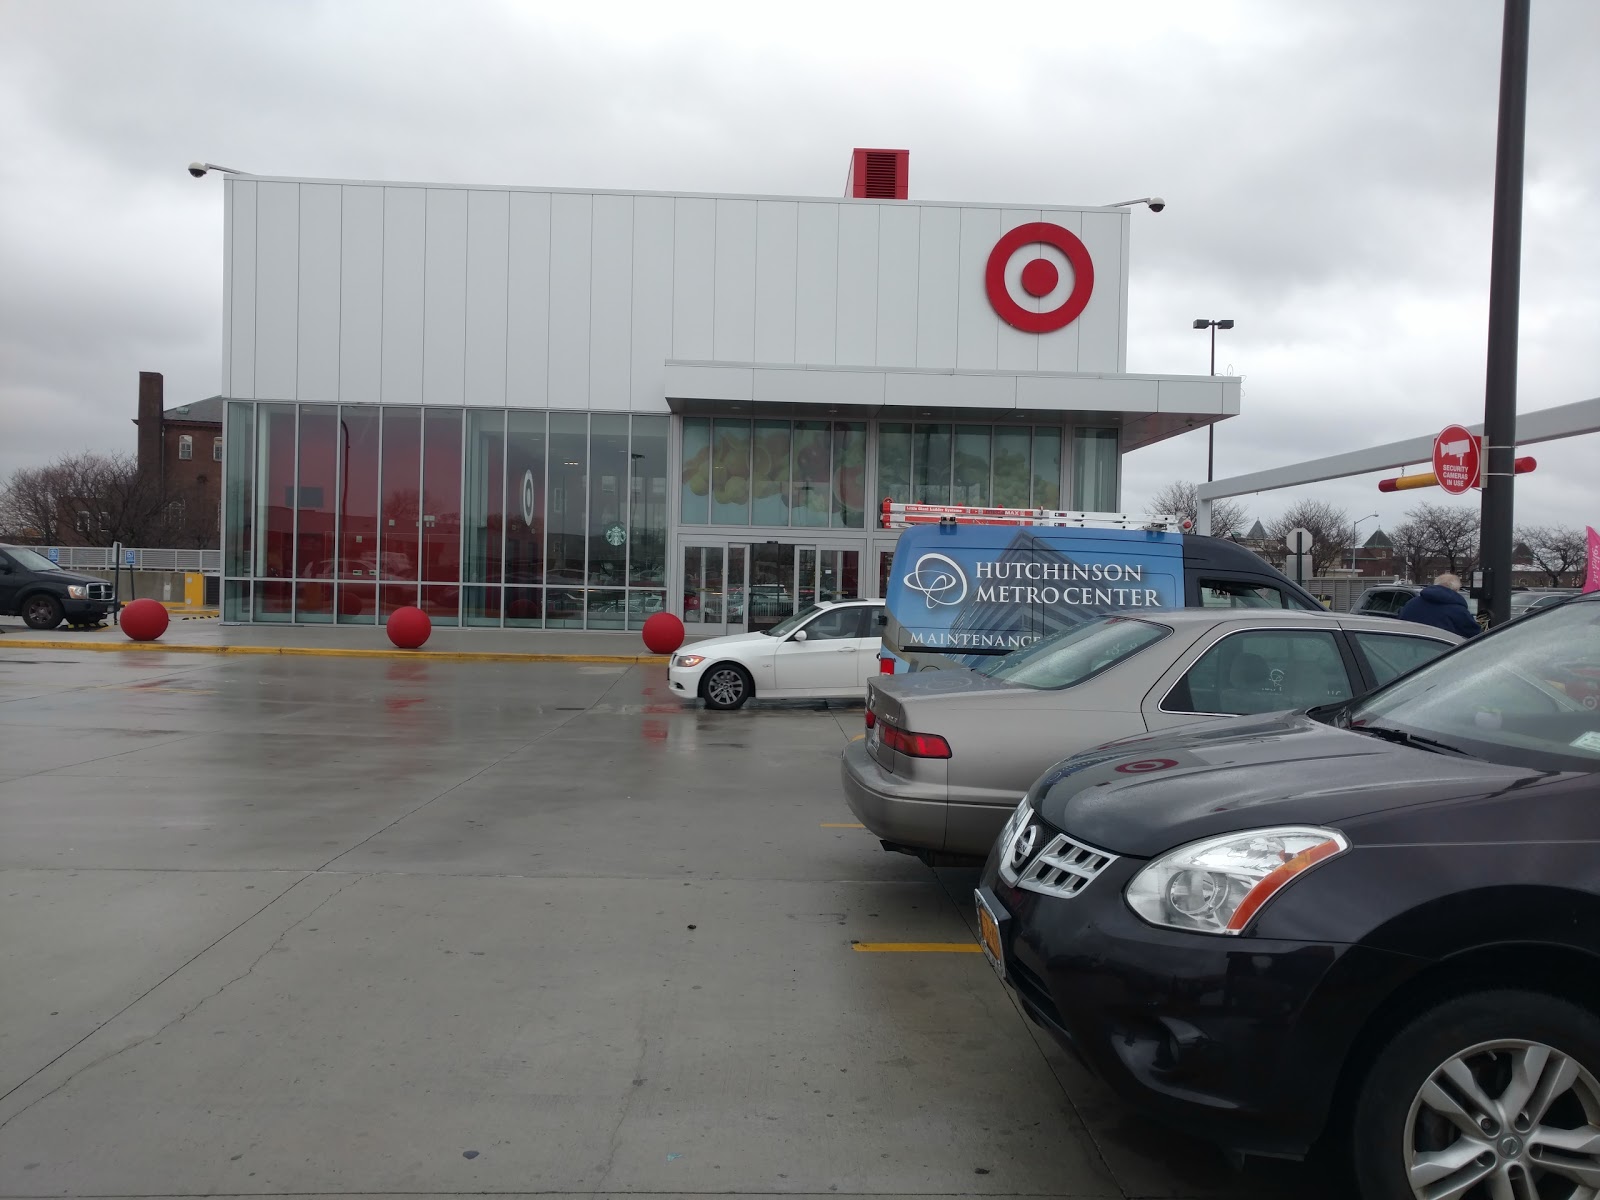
[{"x": 1147, "y": 408}]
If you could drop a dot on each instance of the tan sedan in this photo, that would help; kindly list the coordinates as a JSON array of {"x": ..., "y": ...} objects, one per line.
[{"x": 949, "y": 753}]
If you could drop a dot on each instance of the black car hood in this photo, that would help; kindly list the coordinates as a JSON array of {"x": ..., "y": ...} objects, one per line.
[
  {"x": 1142, "y": 796},
  {"x": 65, "y": 577}
]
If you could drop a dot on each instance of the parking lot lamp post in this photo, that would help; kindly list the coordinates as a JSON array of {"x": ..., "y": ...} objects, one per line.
[
  {"x": 1211, "y": 429},
  {"x": 1354, "y": 525}
]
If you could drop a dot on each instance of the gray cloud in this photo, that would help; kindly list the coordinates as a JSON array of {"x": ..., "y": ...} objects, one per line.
[{"x": 1328, "y": 170}]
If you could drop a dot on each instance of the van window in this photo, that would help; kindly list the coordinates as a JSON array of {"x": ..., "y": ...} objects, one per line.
[{"x": 1223, "y": 593}]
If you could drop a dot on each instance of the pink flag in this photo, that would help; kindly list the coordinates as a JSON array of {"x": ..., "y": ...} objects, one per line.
[{"x": 1592, "y": 583}]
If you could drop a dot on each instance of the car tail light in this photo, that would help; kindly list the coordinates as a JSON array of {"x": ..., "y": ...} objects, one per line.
[
  {"x": 915, "y": 745},
  {"x": 871, "y": 719},
  {"x": 886, "y": 666}
]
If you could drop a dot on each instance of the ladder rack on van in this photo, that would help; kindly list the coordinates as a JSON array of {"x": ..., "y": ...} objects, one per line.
[{"x": 903, "y": 516}]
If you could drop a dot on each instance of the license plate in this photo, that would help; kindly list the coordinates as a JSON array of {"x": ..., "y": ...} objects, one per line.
[
  {"x": 872, "y": 738},
  {"x": 989, "y": 936}
]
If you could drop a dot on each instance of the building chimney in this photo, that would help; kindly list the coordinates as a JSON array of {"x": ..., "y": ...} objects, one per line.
[
  {"x": 878, "y": 175},
  {"x": 152, "y": 406}
]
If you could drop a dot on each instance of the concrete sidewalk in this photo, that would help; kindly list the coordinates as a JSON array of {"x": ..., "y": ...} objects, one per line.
[{"x": 346, "y": 641}]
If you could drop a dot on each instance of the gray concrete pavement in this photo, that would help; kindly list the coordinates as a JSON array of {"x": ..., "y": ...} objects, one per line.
[{"x": 328, "y": 927}]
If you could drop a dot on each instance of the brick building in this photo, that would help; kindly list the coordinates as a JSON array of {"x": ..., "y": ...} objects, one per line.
[{"x": 182, "y": 448}]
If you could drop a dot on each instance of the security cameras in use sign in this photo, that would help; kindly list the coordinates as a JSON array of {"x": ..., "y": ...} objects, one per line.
[{"x": 1456, "y": 457}]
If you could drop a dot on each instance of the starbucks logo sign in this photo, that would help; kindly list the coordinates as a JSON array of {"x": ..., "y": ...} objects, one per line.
[{"x": 615, "y": 534}]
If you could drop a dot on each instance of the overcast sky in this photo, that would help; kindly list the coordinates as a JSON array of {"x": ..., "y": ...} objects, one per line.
[{"x": 1328, "y": 170}]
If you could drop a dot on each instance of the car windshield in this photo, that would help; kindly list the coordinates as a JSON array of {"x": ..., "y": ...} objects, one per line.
[
  {"x": 789, "y": 624},
  {"x": 1066, "y": 659},
  {"x": 1528, "y": 696},
  {"x": 31, "y": 560}
]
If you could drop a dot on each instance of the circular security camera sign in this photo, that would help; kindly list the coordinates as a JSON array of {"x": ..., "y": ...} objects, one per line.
[{"x": 1024, "y": 277}]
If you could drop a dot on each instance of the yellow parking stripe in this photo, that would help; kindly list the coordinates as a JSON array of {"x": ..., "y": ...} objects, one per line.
[
  {"x": 917, "y": 947},
  {"x": 843, "y": 825}
]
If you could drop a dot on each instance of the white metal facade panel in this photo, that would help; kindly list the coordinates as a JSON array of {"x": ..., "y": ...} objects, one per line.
[
  {"x": 694, "y": 252},
  {"x": 899, "y": 257},
  {"x": 444, "y": 320},
  {"x": 404, "y": 231},
  {"x": 651, "y": 321},
  {"x": 488, "y": 261},
  {"x": 611, "y": 303},
  {"x": 1015, "y": 350},
  {"x": 317, "y": 317},
  {"x": 1190, "y": 395},
  {"x": 703, "y": 381},
  {"x": 938, "y": 278},
  {"x": 816, "y": 289},
  {"x": 241, "y": 334},
  {"x": 856, "y": 343},
  {"x": 932, "y": 390},
  {"x": 1093, "y": 392},
  {"x": 361, "y": 295},
  {"x": 571, "y": 220},
  {"x": 977, "y": 327},
  {"x": 733, "y": 328},
  {"x": 1099, "y": 330},
  {"x": 776, "y": 232},
  {"x": 818, "y": 388},
  {"x": 277, "y": 289},
  {"x": 528, "y": 300}
]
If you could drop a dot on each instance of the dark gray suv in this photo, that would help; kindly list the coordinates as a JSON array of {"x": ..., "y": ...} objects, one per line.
[{"x": 1385, "y": 601}]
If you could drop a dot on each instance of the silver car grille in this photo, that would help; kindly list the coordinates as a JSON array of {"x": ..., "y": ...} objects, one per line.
[
  {"x": 99, "y": 591},
  {"x": 1062, "y": 869}
]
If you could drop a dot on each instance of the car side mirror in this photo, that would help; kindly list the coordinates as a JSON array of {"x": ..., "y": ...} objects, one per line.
[{"x": 799, "y": 637}]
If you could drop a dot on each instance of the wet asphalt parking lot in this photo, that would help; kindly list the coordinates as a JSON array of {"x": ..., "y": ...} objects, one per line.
[{"x": 321, "y": 926}]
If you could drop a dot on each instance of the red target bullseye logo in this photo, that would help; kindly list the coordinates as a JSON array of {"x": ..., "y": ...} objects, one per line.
[
  {"x": 1147, "y": 764},
  {"x": 1040, "y": 277}
]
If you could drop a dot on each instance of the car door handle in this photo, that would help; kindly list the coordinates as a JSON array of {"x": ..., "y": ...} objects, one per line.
[{"x": 846, "y": 650}]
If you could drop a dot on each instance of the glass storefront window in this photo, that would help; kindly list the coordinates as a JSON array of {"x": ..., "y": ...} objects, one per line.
[
  {"x": 525, "y": 499},
  {"x": 696, "y": 501},
  {"x": 647, "y": 505},
  {"x": 608, "y": 518},
  {"x": 769, "y": 474},
  {"x": 318, "y": 494},
  {"x": 400, "y": 545},
  {"x": 441, "y": 498},
  {"x": 484, "y": 501},
  {"x": 358, "y": 502},
  {"x": 970, "y": 484},
  {"x": 813, "y": 475},
  {"x": 730, "y": 472},
  {"x": 1047, "y": 468},
  {"x": 849, "y": 474},
  {"x": 894, "y": 462},
  {"x": 480, "y": 605},
  {"x": 930, "y": 464},
  {"x": 241, "y": 496},
  {"x": 275, "y": 445},
  {"x": 1094, "y": 470},
  {"x": 1012, "y": 486},
  {"x": 568, "y": 526}
]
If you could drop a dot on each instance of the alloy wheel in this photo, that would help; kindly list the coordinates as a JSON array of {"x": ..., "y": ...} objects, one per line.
[
  {"x": 1505, "y": 1120},
  {"x": 725, "y": 686}
]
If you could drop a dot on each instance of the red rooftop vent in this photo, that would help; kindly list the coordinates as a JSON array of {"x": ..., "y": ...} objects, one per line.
[{"x": 878, "y": 175}]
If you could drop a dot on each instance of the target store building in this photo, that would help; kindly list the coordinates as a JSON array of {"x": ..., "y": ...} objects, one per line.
[{"x": 547, "y": 408}]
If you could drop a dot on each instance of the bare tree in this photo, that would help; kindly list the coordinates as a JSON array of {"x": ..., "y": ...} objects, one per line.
[
  {"x": 1178, "y": 499},
  {"x": 101, "y": 499},
  {"x": 1328, "y": 524},
  {"x": 1555, "y": 549},
  {"x": 31, "y": 508},
  {"x": 1451, "y": 534},
  {"x": 1412, "y": 545}
]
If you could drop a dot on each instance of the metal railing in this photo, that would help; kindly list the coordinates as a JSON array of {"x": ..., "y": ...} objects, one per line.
[{"x": 103, "y": 558}]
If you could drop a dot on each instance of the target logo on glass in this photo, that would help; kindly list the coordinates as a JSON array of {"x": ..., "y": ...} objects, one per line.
[{"x": 1039, "y": 277}]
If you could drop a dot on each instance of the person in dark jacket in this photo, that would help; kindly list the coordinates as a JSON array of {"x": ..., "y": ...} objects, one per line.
[{"x": 1443, "y": 606}]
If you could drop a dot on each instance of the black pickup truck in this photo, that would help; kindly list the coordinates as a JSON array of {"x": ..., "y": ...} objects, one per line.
[{"x": 43, "y": 595}]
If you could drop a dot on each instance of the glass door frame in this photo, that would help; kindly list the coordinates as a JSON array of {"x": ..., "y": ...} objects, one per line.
[
  {"x": 738, "y": 553},
  {"x": 732, "y": 558}
]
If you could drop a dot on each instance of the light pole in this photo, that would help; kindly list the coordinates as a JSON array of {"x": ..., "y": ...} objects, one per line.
[
  {"x": 1353, "y": 526},
  {"x": 1211, "y": 429}
]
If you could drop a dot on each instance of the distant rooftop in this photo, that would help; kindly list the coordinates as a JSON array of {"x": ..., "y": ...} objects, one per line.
[{"x": 208, "y": 411}]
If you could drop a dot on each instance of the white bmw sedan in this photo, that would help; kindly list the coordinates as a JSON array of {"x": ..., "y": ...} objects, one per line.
[{"x": 826, "y": 651}]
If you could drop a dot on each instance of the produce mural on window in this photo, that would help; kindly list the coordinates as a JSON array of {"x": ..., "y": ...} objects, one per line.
[{"x": 801, "y": 473}]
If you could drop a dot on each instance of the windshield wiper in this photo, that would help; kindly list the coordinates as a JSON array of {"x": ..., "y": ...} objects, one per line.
[{"x": 1401, "y": 738}]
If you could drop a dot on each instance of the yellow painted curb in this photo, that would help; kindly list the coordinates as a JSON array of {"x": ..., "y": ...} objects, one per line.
[{"x": 333, "y": 652}]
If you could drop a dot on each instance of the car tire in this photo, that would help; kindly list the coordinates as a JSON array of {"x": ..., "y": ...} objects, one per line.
[
  {"x": 1460, "y": 1065},
  {"x": 727, "y": 686},
  {"x": 41, "y": 611}
]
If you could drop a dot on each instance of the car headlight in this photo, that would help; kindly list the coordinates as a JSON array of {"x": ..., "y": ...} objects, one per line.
[
  {"x": 1218, "y": 885},
  {"x": 78, "y": 591},
  {"x": 688, "y": 660}
]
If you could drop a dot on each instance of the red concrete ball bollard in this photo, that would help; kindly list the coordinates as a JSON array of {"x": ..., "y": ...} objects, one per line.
[
  {"x": 663, "y": 633},
  {"x": 144, "y": 620},
  {"x": 409, "y": 627}
]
